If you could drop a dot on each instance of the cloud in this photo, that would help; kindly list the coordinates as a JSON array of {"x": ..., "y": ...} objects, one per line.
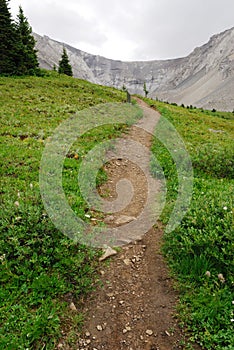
[{"x": 133, "y": 29}]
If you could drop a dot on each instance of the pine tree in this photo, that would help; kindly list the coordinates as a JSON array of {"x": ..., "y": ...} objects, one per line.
[
  {"x": 8, "y": 41},
  {"x": 64, "y": 65},
  {"x": 28, "y": 62},
  {"x": 145, "y": 90}
]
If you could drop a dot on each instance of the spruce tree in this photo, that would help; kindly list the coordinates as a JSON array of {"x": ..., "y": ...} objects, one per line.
[
  {"x": 28, "y": 62},
  {"x": 8, "y": 41},
  {"x": 64, "y": 65}
]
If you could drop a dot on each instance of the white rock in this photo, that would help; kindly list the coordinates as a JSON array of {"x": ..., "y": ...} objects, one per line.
[
  {"x": 108, "y": 253},
  {"x": 149, "y": 332},
  {"x": 73, "y": 307},
  {"x": 124, "y": 219}
]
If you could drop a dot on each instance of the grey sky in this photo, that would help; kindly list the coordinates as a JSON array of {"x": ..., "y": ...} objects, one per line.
[{"x": 130, "y": 29}]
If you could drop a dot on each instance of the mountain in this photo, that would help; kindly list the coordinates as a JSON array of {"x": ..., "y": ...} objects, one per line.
[{"x": 205, "y": 78}]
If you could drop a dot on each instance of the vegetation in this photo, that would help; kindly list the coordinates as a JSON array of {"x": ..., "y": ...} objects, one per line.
[
  {"x": 42, "y": 271},
  {"x": 145, "y": 90},
  {"x": 200, "y": 250},
  {"x": 17, "y": 45},
  {"x": 28, "y": 63},
  {"x": 64, "y": 65}
]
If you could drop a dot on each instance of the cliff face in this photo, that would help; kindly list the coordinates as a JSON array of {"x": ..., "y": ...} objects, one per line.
[{"x": 205, "y": 78}]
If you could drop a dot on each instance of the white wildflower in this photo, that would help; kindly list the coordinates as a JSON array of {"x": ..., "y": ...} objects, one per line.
[
  {"x": 3, "y": 257},
  {"x": 225, "y": 208},
  {"x": 221, "y": 278},
  {"x": 31, "y": 186},
  {"x": 208, "y": 274},
  {"x": 16, "y": 204}
]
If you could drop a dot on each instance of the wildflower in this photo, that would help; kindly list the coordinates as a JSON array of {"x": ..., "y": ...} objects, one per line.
[
  {"x": 221, "y": 278},
  {"x": 232, "y": 319},
  {"x": 208, "y": 274},
  {"x": 16, "y": 204},
  {"x": 225, "y": 208},
  {"x": 232, "y": 302},
  {"x": 2, "y": 257},
  {"x": 18, "y": 194},
  {"x": 31, "y": 186}
]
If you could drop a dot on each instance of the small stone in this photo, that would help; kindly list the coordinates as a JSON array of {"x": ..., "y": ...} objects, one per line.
[
  {"x": 124, "y": 219},
  {"x": 121, "y": 302},
  {"x": 88, "y": 341},
  {"x": 128, "y": 328},
  {"x": 127, "y": 262},
  {"x": 87, "y": 334},
  {"x": 167, "y": 333},
  {"x": 108, "y": 253},
  {"x": 73, "y": 307},
  {"x": 109, "y": 219},
  {"x": 149, "y": 332},
  {"x": 99, "y": 328}
]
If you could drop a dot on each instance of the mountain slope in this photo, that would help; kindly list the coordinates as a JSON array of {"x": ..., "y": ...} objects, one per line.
[{"x": 205, "y": 78}]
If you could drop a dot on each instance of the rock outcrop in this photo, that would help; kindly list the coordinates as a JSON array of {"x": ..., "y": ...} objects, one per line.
[{"x": 205, "y": 78}]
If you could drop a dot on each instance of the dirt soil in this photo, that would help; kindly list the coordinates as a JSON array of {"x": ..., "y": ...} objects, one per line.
[{"x": 134, "y": 306}]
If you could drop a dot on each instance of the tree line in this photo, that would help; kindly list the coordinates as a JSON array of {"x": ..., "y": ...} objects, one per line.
[{"x": 18, "y": 55}]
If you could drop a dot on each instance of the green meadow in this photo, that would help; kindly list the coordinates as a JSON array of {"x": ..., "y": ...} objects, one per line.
[
  {"x": 43, "y": 271},
  {"x": 200, "y": 250}
]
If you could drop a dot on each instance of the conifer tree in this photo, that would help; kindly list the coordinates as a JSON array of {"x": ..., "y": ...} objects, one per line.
[
  {"x": 8, "y": 41},
  {"x": 28, "y": 62},
  {"x": 64, "y": 65},
  {"x": 145, "y": 90}
]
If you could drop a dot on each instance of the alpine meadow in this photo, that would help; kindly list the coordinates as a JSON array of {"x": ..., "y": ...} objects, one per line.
[{"x": 49, "y": 281}]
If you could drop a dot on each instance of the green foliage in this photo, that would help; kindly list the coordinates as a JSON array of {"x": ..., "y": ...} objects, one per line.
[
  {"x": 8, "y": 41},
  {"x": 28, "y": 63},
  {"x": 17, "y": 52},
  {"x": 64, "y": 65},
  {"x": 201, "y": 248},
  {"x": 41, "y": 270},
  {"x": 145, "y": 90}
]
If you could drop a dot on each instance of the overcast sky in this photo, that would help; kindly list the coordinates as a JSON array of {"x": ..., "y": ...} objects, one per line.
[{"x": 129, "y": 29}]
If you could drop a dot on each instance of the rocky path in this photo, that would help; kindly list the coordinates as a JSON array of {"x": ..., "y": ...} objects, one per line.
[{"x": 134, "y": 307}]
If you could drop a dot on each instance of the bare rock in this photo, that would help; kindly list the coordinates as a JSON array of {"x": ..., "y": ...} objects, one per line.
[
  {"x": 124, "y": 219},
  {"x": 108, "y": 253}
]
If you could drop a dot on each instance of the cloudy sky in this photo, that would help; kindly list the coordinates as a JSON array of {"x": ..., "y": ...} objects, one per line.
[{"x": 129, "y": 29}]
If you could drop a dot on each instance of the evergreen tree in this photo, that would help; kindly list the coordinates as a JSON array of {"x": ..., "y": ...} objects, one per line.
[
  {"x": 28, "y": 62},
  {"x": 64, "y": 65},
  {"x": 8, "y": 41},
  {"x": 145, "y": 90}
]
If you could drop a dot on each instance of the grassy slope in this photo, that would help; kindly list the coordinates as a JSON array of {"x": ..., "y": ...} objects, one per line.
[
  {"x": 42, "y": 271},
  {"x": 205, "y": 240}
]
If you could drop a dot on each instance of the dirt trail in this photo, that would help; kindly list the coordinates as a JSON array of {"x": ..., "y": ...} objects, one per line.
[{"x": 134, "y": 307}]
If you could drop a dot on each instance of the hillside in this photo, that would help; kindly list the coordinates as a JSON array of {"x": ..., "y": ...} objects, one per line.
[
  {"x": 45, "y": 275},
  {"x": 205, "y": 78}
]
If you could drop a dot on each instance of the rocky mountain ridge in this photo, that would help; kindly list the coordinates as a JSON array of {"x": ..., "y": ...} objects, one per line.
[{"x": 205, "y": 78}]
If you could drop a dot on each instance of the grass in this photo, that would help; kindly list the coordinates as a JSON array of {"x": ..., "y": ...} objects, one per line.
[
  {"x": 42, "y": 271},
  {"x": 200, "y": 250}
]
